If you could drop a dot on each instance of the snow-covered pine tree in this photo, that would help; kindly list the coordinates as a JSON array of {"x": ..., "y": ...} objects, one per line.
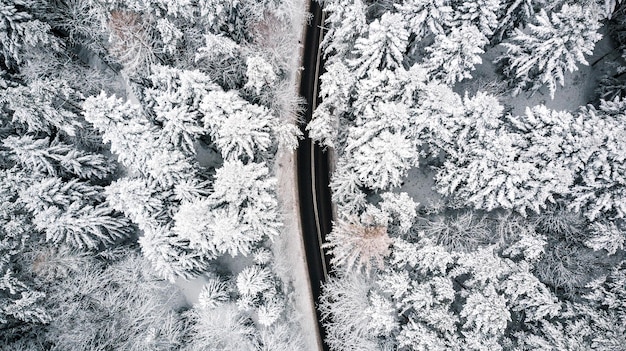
[
  {"x": 515, "y": 14},
  {"x": 54, "y": 191},
  {"x": 606, "y": 236},
  {"x": 492, "y": 176},
  {"x": 336, "y": 89},
  {"x": 142, "y": 200},
  {"x": 170, "y": 255},
  {"x": 552, "y": 46},
  {"x": 260, "y": 74},
  {"x": 384, "y": 160},
  {"x": 19, "y": 32},
  {"x": 72, "y": 212},
  {"x": 401, "y": 208},
  {"x": 347, "y": 190},
  {"x": 135, "y": 140},
  {"x": 214, "y": 293},
  {"x": 240, "y": 130},
  {"x": 358, "y": 246},
  {"x": 517, "y": 178},
  {"x": 481, "y": 13},
  {"x": 600, "y": 189},
  {"x": 44, "y": 106},
  {"x": 121, "y": 125},
  {"x": 426, "y": 17},
  {"x": 174, "y": 99},
  {"x": 383, "y": 48},
  {"x": 216, "y": 231},
  {"x": 346, "y": 21},
  {"x": 454, "y": 55},
  {"x": 18, "y": 300},
  {"x": 249, "y": 190},
  {"x": 82, "y": 226},
  {"x": 56, "y": 158}
]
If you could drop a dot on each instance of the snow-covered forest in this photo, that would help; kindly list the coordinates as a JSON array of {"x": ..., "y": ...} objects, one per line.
[
  {"x": 138, "y": 144},
  {"x": 479, "y": 175},
  {"x": 519, "y": 245}
]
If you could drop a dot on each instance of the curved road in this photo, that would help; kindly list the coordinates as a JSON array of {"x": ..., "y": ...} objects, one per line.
[{"x": 313, "y": 167}]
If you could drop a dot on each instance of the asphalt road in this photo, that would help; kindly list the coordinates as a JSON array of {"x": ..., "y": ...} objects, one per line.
[{"x": 313, "y": 167}]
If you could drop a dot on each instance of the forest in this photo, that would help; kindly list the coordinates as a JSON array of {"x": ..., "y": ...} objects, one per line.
[
  {"x": 479, "y": 174},
  {"x": 513, "y": 113},
  {"x": 138, "y": 148}
]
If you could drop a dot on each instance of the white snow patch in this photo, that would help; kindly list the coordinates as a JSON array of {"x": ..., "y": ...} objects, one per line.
[
  {"x": 579, "y": 89},
  {"x": 420, "y": 185},
  {"x": 191, "y": 288},
  {"x": 290, "y": 260},
  {"x": 289, "y": 255}
]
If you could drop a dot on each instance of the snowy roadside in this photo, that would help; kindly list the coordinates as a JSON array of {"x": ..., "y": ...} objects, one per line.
[{"x": 290, "y": 260}]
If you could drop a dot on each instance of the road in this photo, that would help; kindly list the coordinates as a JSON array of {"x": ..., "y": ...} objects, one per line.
[{"x": 313, "y": 167}]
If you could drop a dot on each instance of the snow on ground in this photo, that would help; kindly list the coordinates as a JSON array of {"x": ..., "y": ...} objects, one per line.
[
  {"x": 578, "y": 90},
  {"x": 288, "y": 249},
  {"x": 419, "y": 184},
  {"x": 290, "y": 261},
  {"x": 191, "y": 288}
]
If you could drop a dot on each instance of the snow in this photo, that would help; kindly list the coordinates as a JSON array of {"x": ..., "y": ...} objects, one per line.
[
  {"x": 290, "y": 261},
  {"x": 578, "y": 90},
  {"x": 288, "y": 248},
  {"x": 191, "y": 288},
  {"x": 419, "y": 184}
]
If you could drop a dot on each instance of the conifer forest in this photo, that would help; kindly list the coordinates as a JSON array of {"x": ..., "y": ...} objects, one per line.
[{"x": 149, "y": 175}]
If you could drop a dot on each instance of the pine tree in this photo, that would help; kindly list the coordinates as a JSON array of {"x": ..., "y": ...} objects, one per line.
[
  {"x": 355, "y": 245},
  {"x": 427, "y": 16},
  {"x": 346, "y": 21},
  {"x": 383, "y": 48},
  {"x": 518, "y": 13},
  {"x": 543, "y": 55},
  {"x": 19, "y": 32},
  {"x": 346, "y": 188},
  {"x": 171, "y": 256},
  {"x": 174, "y": 98},
  {"x": 486, "y": 312},
  {"x": 135, "y": 140},
  {"x": 482, "y": 13},
  {"x": 454, "y": 55},
  {"x": 121, "y": 124},
  {"x": 44, "y": 105},
  {"x": 606, "y": 236},
  {"x": 600, "y": 149},
  {"x": 505, "y": 172},
  {"x": 383, "y": 161},
  {"x": 336, "y": 88},
  {"x": 216, "y": 231},
  {"x": 260, "y": 74},
  {"x": 401, "y": 207},
  {"x": 249, "y": 190},
  {"x": 213, "y": 294},
  {"x": 18, "y": 300},
  {"x": 82, "y": 226},
  {"x": 54, "y": 191},
  {"x": 56, "y": 158},
  {"x": 144, "y": 201},
  {"x": 240, "y": 130}
]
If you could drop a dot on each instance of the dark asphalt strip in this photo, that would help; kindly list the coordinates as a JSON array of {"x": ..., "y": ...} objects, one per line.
[{"x": 313, "y": 168}]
